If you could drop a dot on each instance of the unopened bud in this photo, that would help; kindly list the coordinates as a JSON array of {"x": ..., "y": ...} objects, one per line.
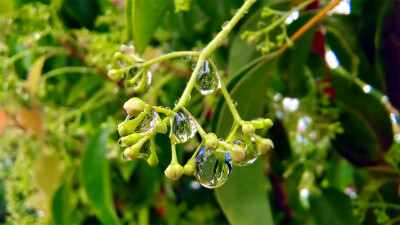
[
  {"x": 189, "y": 168},
  {"x": 211, "y": 141},
  {"x": 153, "y": 159},
  {"x": 134, "y": 106},
  {"x": 161, "y": 127},
  {"x": 264, "y": 145},
  {"x": 174, "y": 171},
  {"x": 237, "y": 154},
  {"x": 268, "y": 123},
  {"x": 248, "y": 129},
  {"x": 131, "y": 139},
  {"x": 115, "y": 75}
]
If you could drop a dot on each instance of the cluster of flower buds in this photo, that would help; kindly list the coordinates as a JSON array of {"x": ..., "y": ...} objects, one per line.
[
  {"x": 128, "y": 67},
  {"x": 138, "y": 131},
  {"x": 265, "y": 45}
]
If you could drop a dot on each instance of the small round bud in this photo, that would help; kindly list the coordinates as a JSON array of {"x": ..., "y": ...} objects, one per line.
[
  {"x": 212, "y": 141},
  {"x": 134, "y": 106},
  {"x": 189, "y": 168},
  {"x": 251, "y": 40},
  {"x": 264, "y": 145},
  {"x": 258, "y": 123},
  {"x": 131, "y": 139},
  {"x": 248, "y": 129},
  {"x": 174, "y": 171},
  {"x": 132, "y": 152},
  {"x": 237, "y": 154},
  {"x": 115, "y": 75},
  {"x": 268, "y": 123},
  {"x": 161, "y": 127}
]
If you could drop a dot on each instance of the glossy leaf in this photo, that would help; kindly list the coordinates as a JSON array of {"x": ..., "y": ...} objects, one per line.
[
  {"x": 243, "y": 197},
  {"x": 332, "y": 207},
  {"x": 146, "y": 17},
  {"x": 61, "y": 207},
  {"x": 96, "y": 178}
]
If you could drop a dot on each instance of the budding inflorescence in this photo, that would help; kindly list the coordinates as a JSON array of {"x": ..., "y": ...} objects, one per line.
[{"x": 212, "y": 161}]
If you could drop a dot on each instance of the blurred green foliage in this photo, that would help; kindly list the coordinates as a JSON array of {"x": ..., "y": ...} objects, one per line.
[{"x": 336, "y": 128}]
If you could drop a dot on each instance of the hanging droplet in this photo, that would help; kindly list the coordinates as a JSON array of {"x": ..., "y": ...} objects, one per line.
[
  {"x": 225, "y": 25},
  {"x": 251, "y": 154},
  {"x": 207, "y": 79},
  {"x": 212, "y": 168},
  {"x": 176, "y": 102},
  {"x": 183, "y": 127},
  {"x": 234, "y": 102},
  {"x": 147, "y": 124},
  {"x": 193, "y": 66},
  {"x": 145, "y": 151},
  {"x": 186, "y": 58},
  {"x": 149, "y": 76}
]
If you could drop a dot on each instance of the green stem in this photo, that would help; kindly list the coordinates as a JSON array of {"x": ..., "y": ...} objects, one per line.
[
  {"x": 64, "y": 70},
  {"x": 173, "y": 152},
  {"x": 229, "y": 102},
  {"x": 195, "y": 152},
  {"x": 231, "y": 135},
  {"x": 163, "y": 110},
  {"x": 210, "y": 48},
  {"x": 128, "y": 20},
  {"x": 170, "y": 56},
  {"x": 42, "y": 50}
]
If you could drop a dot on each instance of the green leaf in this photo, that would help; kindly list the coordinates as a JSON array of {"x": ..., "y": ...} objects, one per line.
[
  {"x": 243, "y": 197},
  {"x": 96, "y": 178},
  {"x": 243, "y": 203},
  {"x": 331, "y": 207},
  {"x": 61, "y": 207},
  {"x": 367, "y": 127},
  {"x": 146, "y": 17}
]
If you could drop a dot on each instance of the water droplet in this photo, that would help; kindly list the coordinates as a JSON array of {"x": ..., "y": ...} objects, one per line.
[
  {"x": 225, "y": 25},
  {"x": 207, "y": 79},
  {"x": 149, "y": 76},
  {"x": 148, "y": 122},
  {"x": 212, "y": 167},
  {"x": 234, "y": 102},
  {"x": 183, "y": 127},
  {"x": 176, "y": 102},
  {"x": 36, "y": 36},
  {"x": 9, "y": 21},
  {"x": 193, "y": 66},
  {"x": 186, "y": 58},
  {"x": 145, "y": 151},
  {"x": 251, "y": 150},
  {"x": 189, "y": 97}
]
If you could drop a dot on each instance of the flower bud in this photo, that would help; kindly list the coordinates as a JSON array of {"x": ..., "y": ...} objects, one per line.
[
  {"x": 248, "y": 129},
  {"x": 115, "y": 75},
  {"x": 160, "y": 126},
  {"x": 174, "y": 171},
  {"x": 263, "y": 145},
  {"x": 258, "y": 123},
  {"x": 131, "y": 139},
  {"x": 189, "y": 168},
  {"x": 237, "y": 154},
  {"x": 268, "y": 123},
  {"x": 129, "y": 126},
  {"x": 134, "y": 106},
  {"x": 153, "y": 159},
  {"x": 211, "y": 141}
]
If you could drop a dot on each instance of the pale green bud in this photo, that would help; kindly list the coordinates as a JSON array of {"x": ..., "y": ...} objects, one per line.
[
  {"x": 237, "y": 153},
  {"x": 248, "y": 129},
  {"x": 174, "y": 171},
  {"x": 189, "y": 168},
  {"x": 211, "y": 141},
  {"x": 134, "y": 106}
]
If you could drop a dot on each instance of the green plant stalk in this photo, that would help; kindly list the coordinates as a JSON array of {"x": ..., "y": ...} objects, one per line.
[
  {"x": 128, "y": 20},
  {"x": 284, "y": 17},
  {"x": 210, "y": 48},
  {"x": 64, "y": 70}
]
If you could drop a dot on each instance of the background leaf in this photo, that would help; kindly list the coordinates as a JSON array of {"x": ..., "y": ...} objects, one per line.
[
  {"x": 146, "y": 17},
  {"x": 243, "y": 197},
  {"x": 61, "y": 207},
  {"x": 96, "y": 178}
]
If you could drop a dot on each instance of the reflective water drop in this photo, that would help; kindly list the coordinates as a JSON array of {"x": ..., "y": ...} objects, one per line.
[
  {"x": 251, "y": 151},
  {"x": 148, "y": 122},
  {"x": 234, "y": 102},
  {"x": 145, "y": 151},
  {"x": 176, "y": 102},
  {"x": 212, "y": 168},
  {"x": 36, "y": 36},
  {"x": 207, "y": 79},
  {"x": 183, "y": 127},
  {"x": 193, "y": 66},
  {"x": 186, "y": 58},
  {"x": 225, "y": 25}
]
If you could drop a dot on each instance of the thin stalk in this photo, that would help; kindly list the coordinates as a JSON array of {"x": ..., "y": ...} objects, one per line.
[{"x": 210, "y": 48}]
